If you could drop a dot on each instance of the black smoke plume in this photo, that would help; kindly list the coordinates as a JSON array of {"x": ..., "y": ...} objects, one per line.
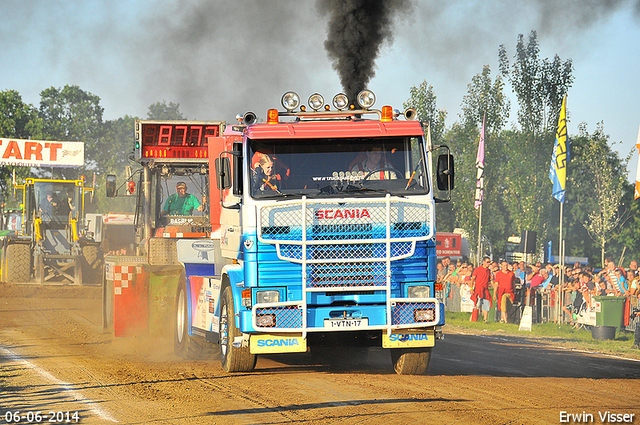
[{"x": 356, "y": 31}]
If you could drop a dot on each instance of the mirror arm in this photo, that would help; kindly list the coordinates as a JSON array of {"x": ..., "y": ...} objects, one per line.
[{"x": 128, "y": 179}]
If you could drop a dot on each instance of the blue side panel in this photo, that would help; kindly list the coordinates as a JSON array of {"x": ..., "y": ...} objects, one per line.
[
  {"x": 235, "y": 273},
  {"x": 199, "y": 269},
  {"x": 412, "y": 269},
  {"x": 415, "y": 269},
  {"x": 273, "y": 271},
  {"x": 431, "y": 254}
]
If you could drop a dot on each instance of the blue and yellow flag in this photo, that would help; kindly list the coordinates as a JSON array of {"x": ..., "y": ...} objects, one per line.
[{"x": 560, "y": 157}]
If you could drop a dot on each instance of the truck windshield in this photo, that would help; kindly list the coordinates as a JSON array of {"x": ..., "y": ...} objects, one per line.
[{"x": 337, "y": 167}]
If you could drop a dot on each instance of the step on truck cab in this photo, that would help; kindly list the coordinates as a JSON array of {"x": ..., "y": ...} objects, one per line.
[{"x": 323, "y": 233}]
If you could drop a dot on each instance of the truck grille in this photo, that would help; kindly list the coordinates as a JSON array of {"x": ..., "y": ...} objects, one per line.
[
  {"x": 402, "y": 313},
  {"x": 345, "y": 244}
]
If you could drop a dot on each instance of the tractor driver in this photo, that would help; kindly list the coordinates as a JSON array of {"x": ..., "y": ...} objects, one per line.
[
  {"x": 181, "y": 202},
  {"x": 47, "y": 206}
]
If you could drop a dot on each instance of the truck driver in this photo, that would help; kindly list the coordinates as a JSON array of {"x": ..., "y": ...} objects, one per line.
[{"x": 181, "y": 202}]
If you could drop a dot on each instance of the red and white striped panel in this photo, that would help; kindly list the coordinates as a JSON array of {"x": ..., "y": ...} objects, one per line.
[
  {"x": 183, "y": 235},
  {"x": 122, "y": 278}
]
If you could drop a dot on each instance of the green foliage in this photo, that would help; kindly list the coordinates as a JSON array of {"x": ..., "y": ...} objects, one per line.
[
  {"x": 423, "y": 100},
  {"x": 17, "y": 120},
  {"x": 71, "y": 114},
  {"x": 162, "y": 111},
  {"x": 598, "y": 178},
  {"x": 117, "y": 136},
  {"x": 485, "y": 98},
  {"x": 539, "y": 85},
  {"x": 527, "y": 188}
]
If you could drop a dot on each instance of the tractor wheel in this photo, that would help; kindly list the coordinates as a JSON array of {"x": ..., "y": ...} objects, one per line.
[
  {"x": 18, "y": 263},
  {"x": 234, "y": 359},
  {"x": 410, "y": 361}
]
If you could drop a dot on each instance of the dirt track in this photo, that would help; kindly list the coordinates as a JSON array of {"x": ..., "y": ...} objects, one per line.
[{"x": 54, "y": 356}]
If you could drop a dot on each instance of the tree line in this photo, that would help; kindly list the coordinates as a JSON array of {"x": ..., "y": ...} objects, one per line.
[
  {"x": 72, "y": 114},
  {"x": 599, "y": 217},
  {"x": 599, "y": 213}
]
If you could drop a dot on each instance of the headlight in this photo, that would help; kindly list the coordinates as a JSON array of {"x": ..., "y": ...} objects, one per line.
[
  {"x": 340, "y": 101},
  {"x": 366, "y": 99},
  {"x": 266, "y": 320},
  {"x": 290, "y": 101},
  {"x": 316, "y": 101},
  {"x": 421, "y": 291},
  {"x": 426, "y": 315},
  {"x": 267, "y": 297}
]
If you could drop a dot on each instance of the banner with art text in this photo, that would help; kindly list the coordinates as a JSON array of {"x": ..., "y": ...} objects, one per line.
[{"x": 41, "y": 153}]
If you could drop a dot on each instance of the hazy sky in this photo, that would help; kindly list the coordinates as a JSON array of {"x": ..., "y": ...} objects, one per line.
[{"x": 220, "y": 58}]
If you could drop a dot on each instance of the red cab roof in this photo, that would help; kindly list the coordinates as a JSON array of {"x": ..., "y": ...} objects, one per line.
[{"x": 334, "y": 129}]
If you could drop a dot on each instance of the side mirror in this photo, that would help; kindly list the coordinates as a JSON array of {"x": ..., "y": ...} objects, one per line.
[
  {"x": 111, "y": 185},
  {"x": 445, "y": 172},
  {"x": 223, "y": 173}
]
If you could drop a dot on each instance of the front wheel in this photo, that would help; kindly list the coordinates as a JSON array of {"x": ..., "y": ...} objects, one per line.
[
  {"x": 18, "y": 263},
  {"x": 234, "y": 359},
  {"x": 410, "y": 361}
]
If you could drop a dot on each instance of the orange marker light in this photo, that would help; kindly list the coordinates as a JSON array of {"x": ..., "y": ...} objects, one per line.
[
  {"x": 272, "y": 116},
  {"x": 387, "y": 113}
]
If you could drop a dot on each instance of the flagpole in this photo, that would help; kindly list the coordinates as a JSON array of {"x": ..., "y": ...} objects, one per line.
[
  {"x": 479, "y": 254},
  {"x": 558, "y": 173},
  {"x": 561, "y": 262},
  {"x": 480, "y": 188}
]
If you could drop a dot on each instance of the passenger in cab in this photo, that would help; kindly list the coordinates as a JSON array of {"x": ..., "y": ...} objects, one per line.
[{"x": 264, "y": 177}]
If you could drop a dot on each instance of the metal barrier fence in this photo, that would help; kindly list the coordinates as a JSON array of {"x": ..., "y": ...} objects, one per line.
[{"x": 544, "y": 303}]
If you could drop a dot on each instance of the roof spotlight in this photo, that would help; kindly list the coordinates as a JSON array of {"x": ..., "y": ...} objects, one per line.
[
  {"x": 340, "y": 101},
  {"x": 366, "y": 99},
  {"x": 290, "y": 101},
  {"x": 316, "y": 101}
]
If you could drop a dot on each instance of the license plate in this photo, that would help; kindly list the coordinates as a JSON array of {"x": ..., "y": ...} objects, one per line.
[{"x": 346, "y": 323}]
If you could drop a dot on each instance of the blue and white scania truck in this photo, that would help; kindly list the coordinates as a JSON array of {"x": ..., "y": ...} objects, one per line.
[{"x": 322, "y": 226}]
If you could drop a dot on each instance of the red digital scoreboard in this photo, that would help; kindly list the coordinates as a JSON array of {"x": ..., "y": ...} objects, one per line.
[{"x": 174, "y": 141}]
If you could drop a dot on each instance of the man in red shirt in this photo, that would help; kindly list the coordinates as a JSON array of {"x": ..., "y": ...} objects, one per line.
[
  {"x": 480, "y": 287},
  {"x": 505, "y": 279}
]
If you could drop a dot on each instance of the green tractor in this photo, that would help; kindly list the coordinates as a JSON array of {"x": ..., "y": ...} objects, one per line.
[{"x": 51, "y": 243}]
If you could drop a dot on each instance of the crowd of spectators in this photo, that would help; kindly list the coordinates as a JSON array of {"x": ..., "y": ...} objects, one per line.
[{"x": 525, "y": 284}]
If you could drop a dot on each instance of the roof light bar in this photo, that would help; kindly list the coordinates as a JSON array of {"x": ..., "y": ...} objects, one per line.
[
  {"x": 290, "y": 101},
  {"x": 316, "y": 101},
  {"x": 366, "y": 99},
  {"x": 340, "y": 101}
]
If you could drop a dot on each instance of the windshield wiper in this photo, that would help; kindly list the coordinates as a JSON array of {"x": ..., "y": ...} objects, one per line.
[
  {"x": 285, "y": 195},
  {"x": 353, "y": 189}
]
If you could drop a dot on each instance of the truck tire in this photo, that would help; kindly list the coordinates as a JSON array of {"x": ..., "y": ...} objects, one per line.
[
  {"x": 91, "y": 264},
  {"x": 410, "y": 361},
  {"x": 18, "y": 263},
  {"x": 183, "y": 344},
  {"x": 234, "y": 359}
]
